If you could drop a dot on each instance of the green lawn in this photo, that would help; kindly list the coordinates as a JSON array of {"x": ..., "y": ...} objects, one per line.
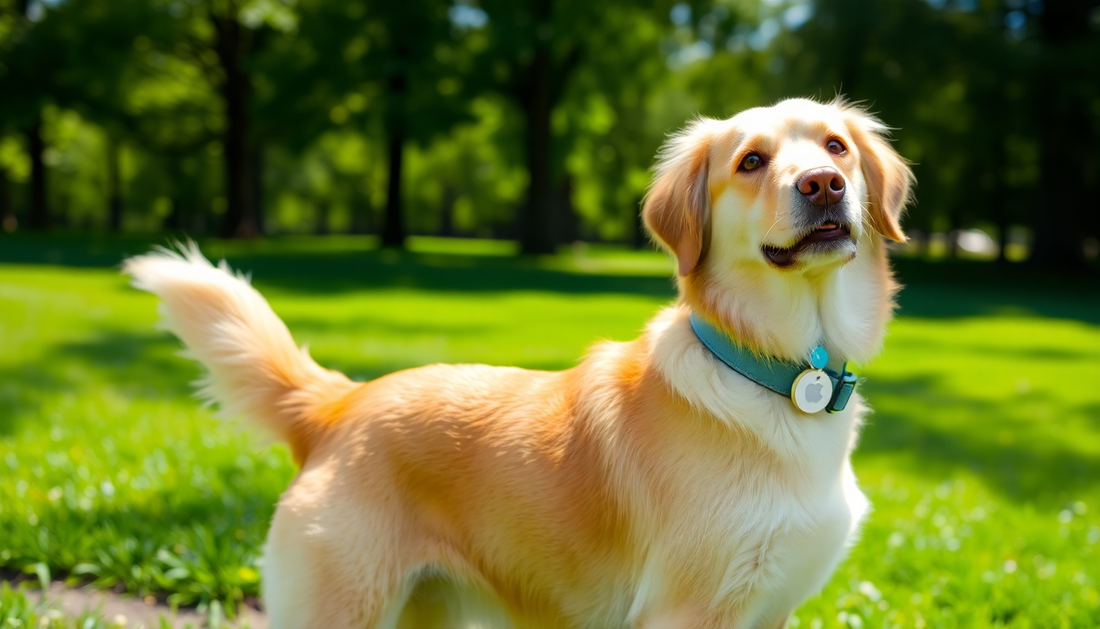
[{"x": 982, "y": 458}]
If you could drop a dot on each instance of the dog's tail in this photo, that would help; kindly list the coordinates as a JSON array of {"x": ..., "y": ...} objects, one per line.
[{"x": 255, "y": 369}]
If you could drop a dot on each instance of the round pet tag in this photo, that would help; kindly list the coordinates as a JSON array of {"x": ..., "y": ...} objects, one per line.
[{"x": 812, "y": 391}]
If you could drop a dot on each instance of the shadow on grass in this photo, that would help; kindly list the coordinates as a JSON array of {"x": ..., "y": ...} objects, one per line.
[
  {"x": 941, "y": 289},
  {"x": 321, "y": 270},
  {"x": 943, "y": 299},
  {"x": 1009, "y": 444},
  {"x": 146, "y": 365},
  {"x": 138, "y": 365},
  {"x": 21, "y": 389},
  {"x": 367, "y": 325}
]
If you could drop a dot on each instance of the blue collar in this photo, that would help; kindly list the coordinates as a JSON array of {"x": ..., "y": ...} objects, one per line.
[{"x": 774, "y": 374}]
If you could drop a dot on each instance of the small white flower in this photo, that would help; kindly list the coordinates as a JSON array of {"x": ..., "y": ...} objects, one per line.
[{"x": 869, "y": 590}]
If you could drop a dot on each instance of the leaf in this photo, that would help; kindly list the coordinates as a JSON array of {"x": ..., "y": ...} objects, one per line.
[
  {"x": 42, "y": 571},
  {"x": 87, "y": 568}
]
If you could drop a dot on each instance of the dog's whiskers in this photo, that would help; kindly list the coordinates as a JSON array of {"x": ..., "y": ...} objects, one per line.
[{"x": 778, "y": 217}]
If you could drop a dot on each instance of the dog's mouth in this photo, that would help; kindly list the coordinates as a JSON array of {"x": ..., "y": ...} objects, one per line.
[{"x": 828, "y": 236}]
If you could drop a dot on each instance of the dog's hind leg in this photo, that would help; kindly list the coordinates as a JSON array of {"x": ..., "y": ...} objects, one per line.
[
  {"x": 306, "y": 585},
  {"x": 329, "y": 564}
]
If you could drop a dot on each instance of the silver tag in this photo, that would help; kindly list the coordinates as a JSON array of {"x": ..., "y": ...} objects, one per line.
[{"x": 812, "y": 390}]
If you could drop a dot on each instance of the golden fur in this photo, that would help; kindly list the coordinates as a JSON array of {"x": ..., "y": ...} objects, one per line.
[{"x": 650, "y": 486}]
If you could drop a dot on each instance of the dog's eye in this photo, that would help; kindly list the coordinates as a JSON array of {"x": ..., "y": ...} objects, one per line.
[
  {"x": 752, "y": 161},
  {"x": 836, "y": 147}
]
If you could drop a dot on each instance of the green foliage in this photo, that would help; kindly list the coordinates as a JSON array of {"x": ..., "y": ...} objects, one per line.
[
  {"x": 981, "y": 458},
  {"x": 988, "y": 98}
]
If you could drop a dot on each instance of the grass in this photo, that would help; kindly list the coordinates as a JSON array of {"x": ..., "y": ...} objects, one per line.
[
  {"x": 17, "y": 612},
  {"x": 982, "y": 458}
]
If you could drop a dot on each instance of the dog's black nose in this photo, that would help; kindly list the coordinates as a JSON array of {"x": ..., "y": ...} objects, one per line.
[{"x": 822, "y": 186}]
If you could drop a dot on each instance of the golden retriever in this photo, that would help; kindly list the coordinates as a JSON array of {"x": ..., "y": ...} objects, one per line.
[{"x": 649, "y": 486}]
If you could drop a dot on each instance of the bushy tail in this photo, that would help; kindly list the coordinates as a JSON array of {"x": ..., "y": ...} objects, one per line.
[{"x": 255, "y": 369}]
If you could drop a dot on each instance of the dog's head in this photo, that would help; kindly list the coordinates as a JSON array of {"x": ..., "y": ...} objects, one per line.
[
  {"x": 792, "y": 187},
  {"x": 774, "y": 200}
]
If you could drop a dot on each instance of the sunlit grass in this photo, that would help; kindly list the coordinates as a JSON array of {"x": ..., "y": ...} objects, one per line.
[
  {"x": 981, "y": 460},
  {"x": 17, "y": 612},
  {"x": 20, "y": 611}
]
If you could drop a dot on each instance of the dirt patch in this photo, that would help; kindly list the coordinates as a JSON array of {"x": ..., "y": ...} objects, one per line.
[{"x": 131, "y": 612}]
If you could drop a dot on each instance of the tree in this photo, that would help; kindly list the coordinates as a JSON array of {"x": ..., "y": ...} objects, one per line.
[
  {"x": 390, "y": 68},
  {"x": 534, "y": 48},
  {"x": 225, "y": 38},
  {"x": 1066, "y": 84},
  {"x": 24, "y": 80}
]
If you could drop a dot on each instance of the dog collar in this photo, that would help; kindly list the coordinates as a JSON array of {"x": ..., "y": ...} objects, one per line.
[{"x": 811, "y": 386}]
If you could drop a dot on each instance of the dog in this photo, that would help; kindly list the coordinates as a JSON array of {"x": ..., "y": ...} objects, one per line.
[{"x": 660, "y": 483}]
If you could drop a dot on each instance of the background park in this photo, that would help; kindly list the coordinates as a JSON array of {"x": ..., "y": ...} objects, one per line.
[{"x": 459, "y": 181}]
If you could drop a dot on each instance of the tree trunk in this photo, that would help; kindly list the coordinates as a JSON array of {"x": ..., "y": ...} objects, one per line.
[
  {"x": 174, "y": 220},
  {"x": 321, "y": 218},
  {"x": 954, "y": 229},
  {"x": 447, "y": 212},
  {"x": 240, "y": 216},
  {"x": 39, "y": 215},
  {"x": 537, "y": 235},
  {"x": 998, "y": 199},
  {"x": 256, "y": 184},
  {"x": 1058, "y": 237},
  {"x": 569, "y": 225},
  {"x": 8, "y": 221},
  {"x": 393, "y": 227},
  {"x": 362, "y": 217},
  {"x": 114, "y": 186}
]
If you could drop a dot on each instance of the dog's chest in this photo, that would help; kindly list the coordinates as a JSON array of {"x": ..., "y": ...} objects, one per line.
[{"x": 753, "y": 544}]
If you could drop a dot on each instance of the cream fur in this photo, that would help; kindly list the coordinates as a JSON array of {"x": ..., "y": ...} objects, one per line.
[{"x": 650, "y": 486}]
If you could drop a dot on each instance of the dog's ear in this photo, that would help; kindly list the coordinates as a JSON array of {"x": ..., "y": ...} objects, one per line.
[
  {"x": 888, "y": 176},
  {"x": 677, "y": 206}
]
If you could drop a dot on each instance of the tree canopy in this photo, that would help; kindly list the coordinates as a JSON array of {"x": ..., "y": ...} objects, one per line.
[{"x": 529, "y": 119}]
